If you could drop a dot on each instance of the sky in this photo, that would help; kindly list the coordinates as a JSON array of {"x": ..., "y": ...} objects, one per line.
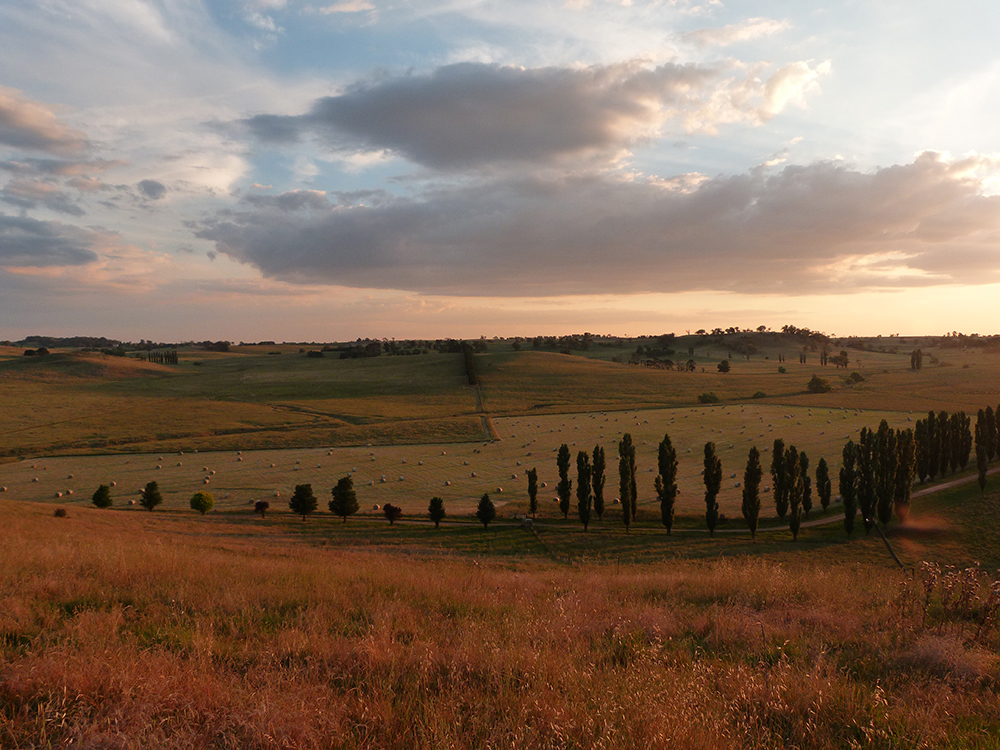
[{"x": 323, "y": 170}]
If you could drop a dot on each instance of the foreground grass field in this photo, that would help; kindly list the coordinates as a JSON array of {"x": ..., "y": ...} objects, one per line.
[{"x": 131, "y": 630}]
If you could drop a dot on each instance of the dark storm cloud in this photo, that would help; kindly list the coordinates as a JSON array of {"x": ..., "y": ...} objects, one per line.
[{"x": 27, "y": 242}]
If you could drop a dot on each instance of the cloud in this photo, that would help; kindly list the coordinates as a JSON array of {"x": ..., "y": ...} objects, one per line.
[
  {"x": 25, "y": 124},
  {"x": 473, "y": 114},
  {"x": 348, "y": 6},
  {"x": 821, "y": 227},
  {"x": 30, "y": 194},
  {"x": 752, "y": 28},
  {"x": 27, "y": 243},
  {"x": 152, "y": 189}
]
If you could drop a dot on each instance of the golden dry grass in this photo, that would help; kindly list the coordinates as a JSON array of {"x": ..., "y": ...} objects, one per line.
[{"x": 132, "y": 630}]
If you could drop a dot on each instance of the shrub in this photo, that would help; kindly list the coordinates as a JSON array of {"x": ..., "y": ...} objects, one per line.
[
  {"x": 708, "y": 398},
  {"x": 392, "y": 512},
  {"x": 202, "y": 502},
  {"x": 759, "y": 394},
  {"x": 723, "y": 366},
  {"x": 782, "y": 370},
  {"x": 61, "y": 513},
  {"x": 855, "y": 377},
  {"x": 818, "y": 385}
]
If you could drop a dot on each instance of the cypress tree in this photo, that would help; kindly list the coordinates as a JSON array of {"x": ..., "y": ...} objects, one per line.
[
  {"x": 597, "y": 480},
  {"x": 102, "y": 496},
  {"x": 626, "y": 477},
  {"x": 302, "y": 502},
  {"x": 666, "y": 481},
  {"x": 532, "y": 491},
  {"x": 486, "y": 511},
  {"x": 824, "y": 487},
  {"x": 344, "y": 500},
  {"x": 793, "y": 480},
  {"x": 565, "y": 486},
  {"x": 584, "y": 500},
  {"x": 778, "y": 487},
  {"x": 713, "y": 482},
  {"x": 151, "y": 496},
  {"x": 751, "y": 491},
  {"x": 849, "y": 485}
]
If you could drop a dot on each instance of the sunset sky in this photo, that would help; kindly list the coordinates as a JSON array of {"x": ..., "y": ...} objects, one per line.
[{"x": 291, "y": 170}]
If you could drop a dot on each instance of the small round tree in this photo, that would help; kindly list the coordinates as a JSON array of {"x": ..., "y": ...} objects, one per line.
[
  {"x": 202, "y": 502},
  {"x": 261, "y": 507},
  {"x": 102, "y": 497},
  {"x": 151, "y": 496},
  {"x": 486, "y": 511},
  {"x": 392, "y": 512},
  {"x": 436, "y": 511},
  {"x": 345, "y": 500},
  {"x": 302, "y": 501}
]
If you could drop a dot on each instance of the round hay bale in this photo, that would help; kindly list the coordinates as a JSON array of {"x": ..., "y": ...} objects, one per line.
[
  {"x": 69, "y": 492},
  {"x": 113, "y": 484},
  {"x": 447, "y": 483},
  {"x": 58, "y": 494},
  {"x": 277, "y": 494},
  {"x": 376, "y": 506},
  {"x": 131, "y": 502}
]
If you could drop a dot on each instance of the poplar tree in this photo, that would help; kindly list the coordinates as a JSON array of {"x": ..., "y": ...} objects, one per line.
[
  {"x": 824, "y": 487},
  {"x": 807, "y": 503},
  {"x": 584, "y": 499},
  {"x": 884, "y": 466},
  {"x": 848, "y": 485},
  {"x": 990, "y": 434},
  {"x": 565, "y": 486},
  {"x": 751, "y": 491},
  {"x": 867, "y": 467},
  {"x": 597, "y": 480},
  {"x": 944, "y": 442},
  {"x": 778, "y": 487},
  {"x": 713, "y": 482},
  {"x": 920, "y": 446},
  {"x": 982, "y": 455},
  {"x": 666, "y": 481},
  {"x": 905, "y": 472},
  {"x": 626, "y": 477},
  {"x": 965, "y": 441},
  {"x": 933, "y": 445},
  {"x": 794, "y": 488},
  {"x": 532, "y": 491}
]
